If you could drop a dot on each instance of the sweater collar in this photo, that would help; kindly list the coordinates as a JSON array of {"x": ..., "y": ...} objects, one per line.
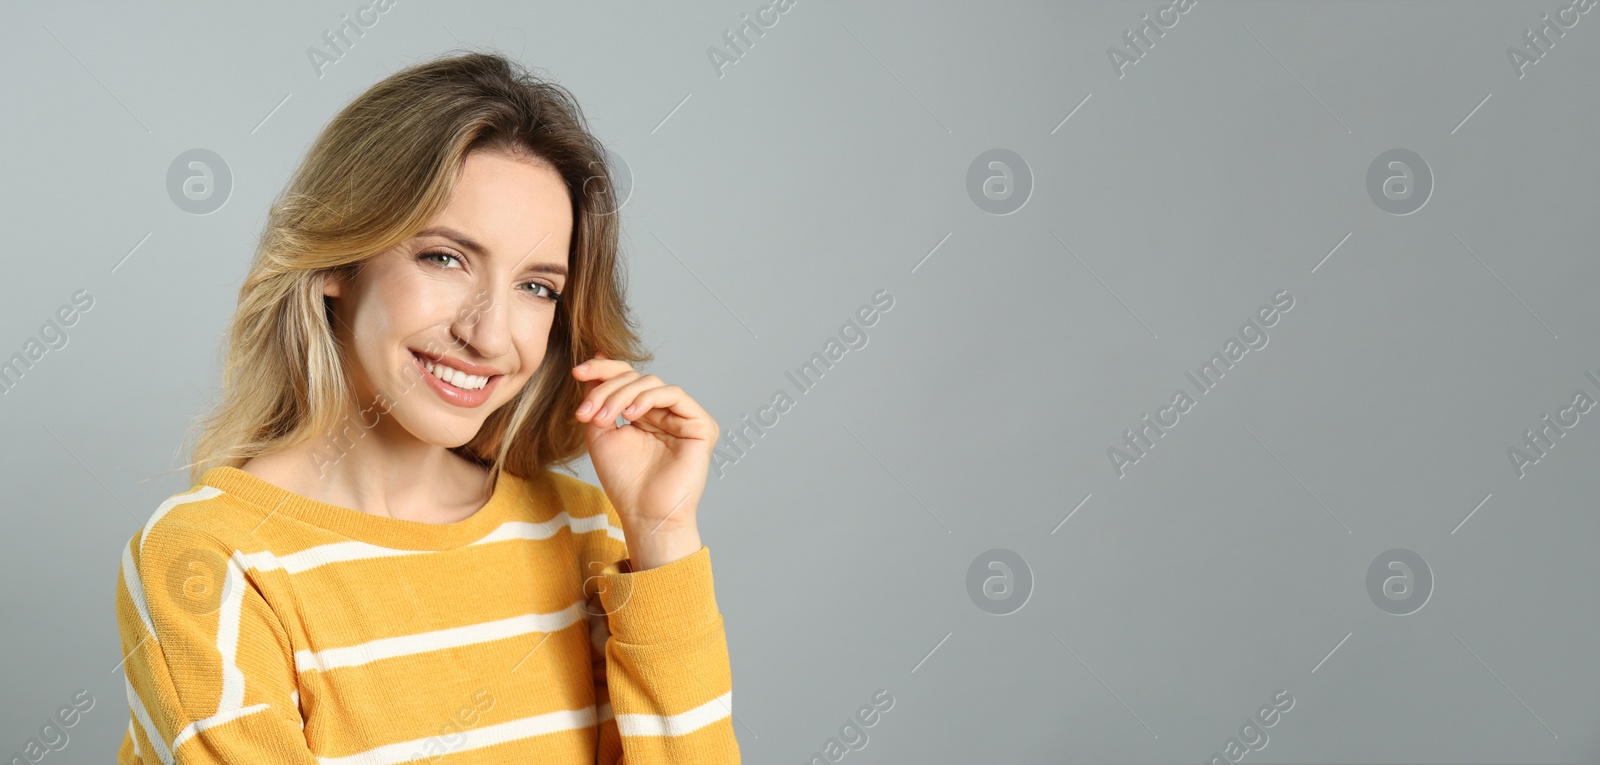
[{"x": 271, "y": 499}]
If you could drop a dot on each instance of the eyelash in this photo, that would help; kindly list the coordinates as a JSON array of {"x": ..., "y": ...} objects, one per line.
[{"x": 553, "y": 297}]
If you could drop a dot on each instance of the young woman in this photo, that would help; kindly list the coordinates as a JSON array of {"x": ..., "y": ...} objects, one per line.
[{"x": 377, "y": 562}]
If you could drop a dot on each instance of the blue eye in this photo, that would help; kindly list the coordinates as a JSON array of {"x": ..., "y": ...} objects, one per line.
[
  {"x": 549, "y": 292},
  {"x": 540, "y": 289},
  {"x": 439, "y": 254}
]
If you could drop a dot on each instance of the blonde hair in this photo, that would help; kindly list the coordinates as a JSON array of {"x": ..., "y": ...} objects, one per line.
[{"x": 384, "y": 167}]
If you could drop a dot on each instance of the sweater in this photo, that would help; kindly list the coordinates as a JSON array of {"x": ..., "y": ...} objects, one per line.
[{"x": 263, "y": 627}]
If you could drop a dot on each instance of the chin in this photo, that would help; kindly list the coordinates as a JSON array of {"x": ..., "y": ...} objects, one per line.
[{"x": 450, "y": 432}]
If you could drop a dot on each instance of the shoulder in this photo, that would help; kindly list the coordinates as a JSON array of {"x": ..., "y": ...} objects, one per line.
[{"x": 201, "y": 517}]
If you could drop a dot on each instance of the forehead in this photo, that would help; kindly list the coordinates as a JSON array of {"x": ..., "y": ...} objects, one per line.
[{"x": 508, "y": 208}]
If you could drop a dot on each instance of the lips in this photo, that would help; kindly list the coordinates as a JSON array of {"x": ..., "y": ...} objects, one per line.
[
  {"x": 450, "y": 393},
  {"x": 458, "y": 364},
  {"x": 453, "y": 371}
]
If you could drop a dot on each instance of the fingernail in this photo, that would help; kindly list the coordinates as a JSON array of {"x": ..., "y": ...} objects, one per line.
[
  {"x": 587, "y": 405},
  {"x": 600, "y": 415},
  {"x": 583, "y": 367}
]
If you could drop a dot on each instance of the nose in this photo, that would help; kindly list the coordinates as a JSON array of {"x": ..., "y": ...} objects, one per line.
[{"x": 482, "y": 324}]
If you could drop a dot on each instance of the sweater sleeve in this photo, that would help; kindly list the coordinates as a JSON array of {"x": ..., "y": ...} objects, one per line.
[
  {"x": 663, "y": 682},
  {"x": 208, "y": 668}
]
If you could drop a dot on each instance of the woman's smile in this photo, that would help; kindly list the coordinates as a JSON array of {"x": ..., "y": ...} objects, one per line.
[{"x": 454, "y": 385}]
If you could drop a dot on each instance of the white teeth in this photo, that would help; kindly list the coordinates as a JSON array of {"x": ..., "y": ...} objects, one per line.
[{"x": 456, "y": 377}]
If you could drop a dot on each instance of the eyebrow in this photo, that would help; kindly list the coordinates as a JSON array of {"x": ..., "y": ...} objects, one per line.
[{"x": 478, "y": 249}]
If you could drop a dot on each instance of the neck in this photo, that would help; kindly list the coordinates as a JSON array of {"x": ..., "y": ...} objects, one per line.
[{"x": 376, "y": 466}]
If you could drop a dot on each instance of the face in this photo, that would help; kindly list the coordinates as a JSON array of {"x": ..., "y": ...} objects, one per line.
[{"x": 474, "y": 291}]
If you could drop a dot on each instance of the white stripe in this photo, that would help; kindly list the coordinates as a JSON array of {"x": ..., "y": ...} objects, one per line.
[
  {"x": 452, "y": 637},
  {"x": 339, "y": 552},
  {"x": 321, "y": 555},
  {"x": 130, "y": 572},
  {"x": 202, "y": 493},
  {"x": 229, "y": 623},
  {"x": 189, "y": 731},
  {"x": 547, "y": 529},
  {"x": 474, "y": 738},
  {"x": 678, "y": 724},
  {"x": 605, "y": 713},
  {"x": 130, "y": 578},
  {"x": 133, "y": 737},
  {"x": 150, "y": 733}
]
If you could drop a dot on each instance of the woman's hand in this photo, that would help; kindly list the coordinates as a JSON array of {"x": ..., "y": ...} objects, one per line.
[{"x": 654, "y": 468}]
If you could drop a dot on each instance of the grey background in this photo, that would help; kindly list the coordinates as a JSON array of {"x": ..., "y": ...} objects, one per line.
[{"x": 1226, "y": 565}]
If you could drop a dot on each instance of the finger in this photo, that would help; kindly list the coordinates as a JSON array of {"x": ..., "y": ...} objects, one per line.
[
  {"x": 596, "y": 371},
  {"x": 672, "y": 410},
  {"x": 595, "y": 397},
  {"x": 621, "y": 397},
  {"x": 600, "y": 368}
]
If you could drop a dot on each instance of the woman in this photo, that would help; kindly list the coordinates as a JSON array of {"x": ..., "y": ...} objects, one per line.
[{"x": 377, "y": 563}]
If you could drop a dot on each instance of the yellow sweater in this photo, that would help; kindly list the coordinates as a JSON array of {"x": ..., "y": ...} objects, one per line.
[{"x": 263, "y": 627}]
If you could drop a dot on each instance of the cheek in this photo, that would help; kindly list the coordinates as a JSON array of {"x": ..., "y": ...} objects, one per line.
[
  {"x": 421, "y": 302},
  {"x": 532, "y": 352},
  {"x": 534, "y": 342},
  {"x": 410, "y": 306},
  {"x": 392, "y": 310}
]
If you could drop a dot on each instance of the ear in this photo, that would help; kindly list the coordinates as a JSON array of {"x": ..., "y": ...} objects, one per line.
[{"x": 332, "y": 283}]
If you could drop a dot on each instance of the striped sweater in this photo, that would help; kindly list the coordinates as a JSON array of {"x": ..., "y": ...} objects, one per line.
[{"x": 263, "y": 627}]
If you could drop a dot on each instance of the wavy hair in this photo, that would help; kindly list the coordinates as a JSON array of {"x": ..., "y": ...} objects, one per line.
[{"x": 384, "y": 167}]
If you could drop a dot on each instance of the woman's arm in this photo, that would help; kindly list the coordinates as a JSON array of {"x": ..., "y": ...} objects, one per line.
[
  {"x": 209, "y": 668},
  {"x": 666, "y": 669},
  {"x": 663, "y": 684}
]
